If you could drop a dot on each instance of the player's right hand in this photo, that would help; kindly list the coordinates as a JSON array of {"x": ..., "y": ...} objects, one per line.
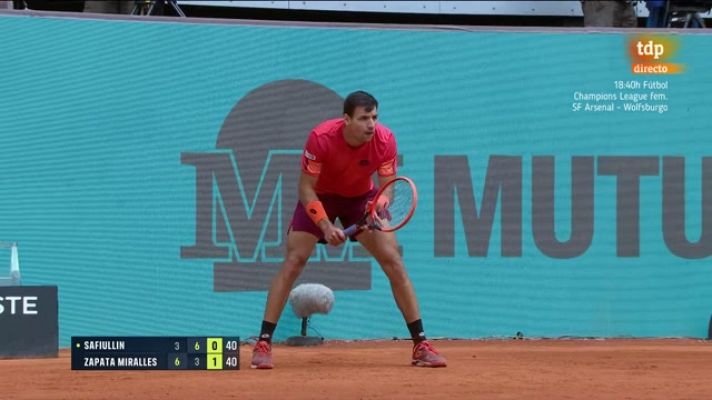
[{"x": 333, "y": 235}]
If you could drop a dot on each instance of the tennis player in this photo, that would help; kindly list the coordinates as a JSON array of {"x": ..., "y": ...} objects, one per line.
[{"x": 339, "y": 159}]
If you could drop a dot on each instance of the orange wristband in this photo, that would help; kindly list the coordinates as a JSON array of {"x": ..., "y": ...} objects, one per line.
[{"x": 316, "y": 211}]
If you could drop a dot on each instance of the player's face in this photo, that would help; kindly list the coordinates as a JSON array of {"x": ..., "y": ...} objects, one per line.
[{"x": 361, "y": 126}]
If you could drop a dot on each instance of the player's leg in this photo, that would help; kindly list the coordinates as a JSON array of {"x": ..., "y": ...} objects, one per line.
[
  {"x": 301, "y": 239},
  {"x": 384, "y": 248},
  {"x": 299, "y": 247}
]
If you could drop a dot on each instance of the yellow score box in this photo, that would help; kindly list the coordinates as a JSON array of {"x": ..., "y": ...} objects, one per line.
[
  {"x": 215, "y": 345},
  {"x": 215, "y": 361}
]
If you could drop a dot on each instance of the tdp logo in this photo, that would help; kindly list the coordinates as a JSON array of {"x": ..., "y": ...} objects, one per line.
[
  {"x": 650, "y": 49},
  {"x": 246, "y": 191},
  {"x": 650, "y": 54}
]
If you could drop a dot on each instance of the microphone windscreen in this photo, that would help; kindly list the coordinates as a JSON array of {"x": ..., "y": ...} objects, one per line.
[{"x": 311, "y": 298}]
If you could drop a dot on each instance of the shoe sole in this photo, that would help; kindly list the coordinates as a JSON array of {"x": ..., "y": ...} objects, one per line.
[
  {"x": 253, "y": 366},
  {"x": 423, "y": 364}
]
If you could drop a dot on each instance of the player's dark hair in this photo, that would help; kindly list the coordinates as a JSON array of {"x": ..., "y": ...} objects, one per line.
[{"x": 359, "y": 98}]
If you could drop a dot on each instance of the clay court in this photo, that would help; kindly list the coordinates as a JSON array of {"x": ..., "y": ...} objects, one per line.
[{"x": 484, "y": 369}]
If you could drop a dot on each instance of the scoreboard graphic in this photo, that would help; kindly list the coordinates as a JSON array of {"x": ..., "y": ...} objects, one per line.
[{"x": 217, "y": 353}]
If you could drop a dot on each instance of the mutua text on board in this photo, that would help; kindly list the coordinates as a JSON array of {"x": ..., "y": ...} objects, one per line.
[
  {"x": 650, "y": 55},
  {"x": 501, "y": 194}
]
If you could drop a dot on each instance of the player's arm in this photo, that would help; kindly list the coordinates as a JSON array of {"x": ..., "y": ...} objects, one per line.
[
  {"x": 386, "y": 172},
  {"x": 385, "y": 198},
  {"x": 307, "y": 196},
  {"x": 382, "y": 180},
  {"x": 312, "y": 160}
]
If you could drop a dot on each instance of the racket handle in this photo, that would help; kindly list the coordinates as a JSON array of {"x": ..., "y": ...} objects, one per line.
[{"x": 351, "y": 230}]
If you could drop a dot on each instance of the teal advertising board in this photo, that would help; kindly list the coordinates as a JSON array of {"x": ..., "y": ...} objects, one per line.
[{"x": 149, "y": 171}]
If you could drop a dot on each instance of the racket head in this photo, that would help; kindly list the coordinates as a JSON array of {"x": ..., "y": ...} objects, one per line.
[{"x": 403, "y": 197}]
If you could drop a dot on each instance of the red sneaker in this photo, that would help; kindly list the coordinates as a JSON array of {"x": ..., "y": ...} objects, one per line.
[
  {"x": 262, "y": 355},
  {"x": 425, "y": 355}
]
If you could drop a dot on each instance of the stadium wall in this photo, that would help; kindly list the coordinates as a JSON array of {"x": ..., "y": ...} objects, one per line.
[{"x": 149, "y": 171}]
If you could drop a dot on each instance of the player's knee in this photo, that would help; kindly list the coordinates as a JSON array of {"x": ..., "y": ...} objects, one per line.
[
  {"x": 395, "y": 270},
  {"x": 294, "y": 263}
]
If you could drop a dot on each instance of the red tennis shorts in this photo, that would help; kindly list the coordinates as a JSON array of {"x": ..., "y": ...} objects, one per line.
[{"x": 348, "y": 210}]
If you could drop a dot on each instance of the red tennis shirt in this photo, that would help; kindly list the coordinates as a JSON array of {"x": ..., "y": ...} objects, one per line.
[{"x": 344, "y": 170}]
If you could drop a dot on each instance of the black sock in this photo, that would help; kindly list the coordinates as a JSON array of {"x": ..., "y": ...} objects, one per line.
[
  {"x": 416, "y": 331},
  {"x": 267, "y": 331}
]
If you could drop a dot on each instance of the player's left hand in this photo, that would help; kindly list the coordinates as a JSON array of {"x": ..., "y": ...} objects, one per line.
[{"x": 381, "y": 203}]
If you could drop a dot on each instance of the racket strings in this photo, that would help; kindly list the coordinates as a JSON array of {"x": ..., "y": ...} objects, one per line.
[{"x": 400, "y": 204}]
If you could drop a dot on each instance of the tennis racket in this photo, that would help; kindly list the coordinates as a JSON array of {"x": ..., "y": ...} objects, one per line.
[{"x": 391, "y": 207}]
